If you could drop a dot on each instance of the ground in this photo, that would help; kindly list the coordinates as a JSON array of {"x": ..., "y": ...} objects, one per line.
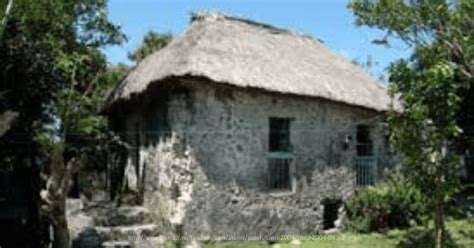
[{"x": 461, "y": 234}]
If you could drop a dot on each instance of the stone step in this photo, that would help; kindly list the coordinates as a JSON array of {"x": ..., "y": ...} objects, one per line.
[
  {"x": 149, "y": 242},
  {"x": 116, "y": 244},
  {"x": 121, "y": 216},
  {"x": 129, "y": 233}
]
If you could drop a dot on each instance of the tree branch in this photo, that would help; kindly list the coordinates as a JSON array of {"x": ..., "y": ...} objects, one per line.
[{"x": 3, "y": 24}]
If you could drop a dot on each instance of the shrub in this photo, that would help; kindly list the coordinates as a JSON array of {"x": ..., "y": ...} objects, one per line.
[{"x": 394, "y": 203}]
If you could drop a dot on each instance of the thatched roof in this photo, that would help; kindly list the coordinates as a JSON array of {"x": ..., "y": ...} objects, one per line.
[{"x": 244, "y": 53}]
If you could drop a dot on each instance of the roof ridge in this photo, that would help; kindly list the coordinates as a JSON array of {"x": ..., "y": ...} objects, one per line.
[{"x": 216, "y": 15}]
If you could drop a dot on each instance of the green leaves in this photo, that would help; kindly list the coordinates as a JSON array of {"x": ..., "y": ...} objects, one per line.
[
  {"x": 395, "y": 203},
  {"x": 411, "y": 21},
  {"x": 78, "y": 112},
  {"x": 151, "y": 42},
  {"x": 54, "y": 69},
  {"x": 89, "y": 124},
  {"x": 93, "y": 25},
  {"x": 434, "y": 85}
]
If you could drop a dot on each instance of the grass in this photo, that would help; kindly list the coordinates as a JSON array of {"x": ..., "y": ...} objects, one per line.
[{"x": 460, "y": 234}]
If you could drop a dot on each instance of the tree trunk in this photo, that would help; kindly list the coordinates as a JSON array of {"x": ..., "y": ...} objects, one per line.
[
  {"x": 6, "y": 120},
  {"x": 60, "y": 227},
  {"x": 3, "y": 24},
  {"x": 439, "y": 214},
  {"x": 55, "y": 195},
  {"x": 61, "y": 236}
]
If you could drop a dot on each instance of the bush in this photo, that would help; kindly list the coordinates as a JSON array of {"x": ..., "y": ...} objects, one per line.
[{"x": 395, "y": 203}]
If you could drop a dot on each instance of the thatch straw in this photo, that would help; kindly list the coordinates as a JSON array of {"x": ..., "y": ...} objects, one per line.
[{"x": 244, "y": 53}]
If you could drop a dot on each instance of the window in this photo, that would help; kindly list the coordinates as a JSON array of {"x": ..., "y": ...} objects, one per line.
[
  {"x": 365, "y": 162},
  {"x": 280, "y": 156},
  {"x": 364, "y": 142},
  {"x": 279, "y": 173},
  {"x": 280, "y": 135}
]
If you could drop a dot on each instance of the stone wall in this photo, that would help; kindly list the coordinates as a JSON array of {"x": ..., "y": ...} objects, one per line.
[{"x": 204, "y": 147}]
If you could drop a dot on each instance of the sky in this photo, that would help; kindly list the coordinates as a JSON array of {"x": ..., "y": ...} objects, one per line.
[{"x": 327, "y": 20}]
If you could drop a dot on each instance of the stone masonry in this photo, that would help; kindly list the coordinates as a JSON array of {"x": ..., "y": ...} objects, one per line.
[{"x": 202, "y": 158}]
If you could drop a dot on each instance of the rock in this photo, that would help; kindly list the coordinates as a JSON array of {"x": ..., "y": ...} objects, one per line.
[
  {"x": 122, "y": 216},
  {"x": 332, "y": 231},
  {"x": 78, "y": 224},
  {"x": 295, "y": 242},
  {"x": 99, "y": 195},
  {"x": 88, "y": 238},
  {"x": 74, "y": 205},
  {"x": 193, "y": 244}
]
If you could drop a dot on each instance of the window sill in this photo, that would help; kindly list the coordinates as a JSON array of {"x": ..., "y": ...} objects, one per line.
[
  {"x": 280, "y": 155},
  {"x": 281, "y": 193}
]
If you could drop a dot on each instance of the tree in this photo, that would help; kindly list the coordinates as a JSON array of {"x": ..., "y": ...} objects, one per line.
[
  {"x": 152, "y": 42},
  {"x": 79, "y": 139},
  {"x": 432, "y": 86},
  {"x": 82, "y": 131},
  {"x": 368, "y": 65},
  {"x": 52, "y": 68}
]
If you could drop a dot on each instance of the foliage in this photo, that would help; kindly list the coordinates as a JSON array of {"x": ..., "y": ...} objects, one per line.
[
  {"x": 48, "y": 47},
  {"x": 152, "y": 42},
  {"x": 52, "y": 76},
  {"x": 368, "y": 65},
  {"x": 433, "y": 85},
  {"x": 54, "y": 70},
  {"x": 82, "y": 126},
  {"x": 395, "y": 203}
]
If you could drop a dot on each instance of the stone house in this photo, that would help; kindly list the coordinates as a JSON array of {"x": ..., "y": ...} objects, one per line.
[{"x": 241, "y": 128}]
